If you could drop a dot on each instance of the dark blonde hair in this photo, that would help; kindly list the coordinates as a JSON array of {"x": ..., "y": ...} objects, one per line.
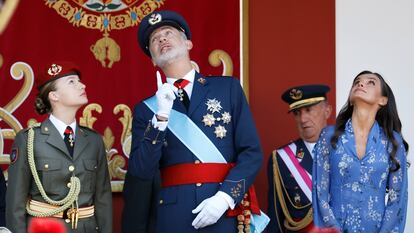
[{"x": 42, "y": 102}]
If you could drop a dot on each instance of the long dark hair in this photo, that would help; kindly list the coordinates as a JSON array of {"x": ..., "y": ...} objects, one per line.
[{"x": 387, "y": 117}]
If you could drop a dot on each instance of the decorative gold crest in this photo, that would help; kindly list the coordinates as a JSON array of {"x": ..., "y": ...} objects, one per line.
[
  {"x": 7, "y": 9},
  {"x": 296, "y": 94},
  {"x": 54, "y": 70},
  {"x": 105, "y": 16},
  {"x": 106, "y": 49},
  {"x": 154, "y": 19}
]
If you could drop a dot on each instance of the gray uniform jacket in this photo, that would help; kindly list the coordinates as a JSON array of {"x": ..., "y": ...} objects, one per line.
[{"x": 52, "y": 164}]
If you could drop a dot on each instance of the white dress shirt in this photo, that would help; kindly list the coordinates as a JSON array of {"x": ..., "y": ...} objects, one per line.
[
  {"x": 310, "y": 146},
  {"x": 61, "y": 126}
]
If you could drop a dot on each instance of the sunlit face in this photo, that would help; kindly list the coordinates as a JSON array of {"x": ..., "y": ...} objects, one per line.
[
  {"x": 310, "y": 120},
  {"x": 70, "y": 92},
  {"x": 367, "y": 88},
  {"x": 167, "y": 44}
]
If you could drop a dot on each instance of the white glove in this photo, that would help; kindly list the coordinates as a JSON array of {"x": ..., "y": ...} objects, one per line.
[
  {"x": 210, "y": 210},
  {"x": 165, "y": 97}
]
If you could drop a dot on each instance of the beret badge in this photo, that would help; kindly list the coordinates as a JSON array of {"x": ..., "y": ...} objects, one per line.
[
  {"x": 296, "y": 94},
  {"x": 54, "y": 70},
  {"x": 154, "y": 19}
]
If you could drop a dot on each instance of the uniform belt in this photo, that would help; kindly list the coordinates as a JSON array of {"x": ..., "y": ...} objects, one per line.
[
  {"x": 41, "y": 207},
  {"x": 198, "y": 173},
  {"x": 192, "y": 173}
]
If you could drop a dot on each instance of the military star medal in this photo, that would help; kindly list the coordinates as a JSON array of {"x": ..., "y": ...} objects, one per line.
[
  {"x": 71, "y": 140},
  {"x": 213, "y": 105},
  {"x": 226, "y": 117},
  {"x": 220, "y": 131},
  {"x": 180, "y": 94},
  {"x": 209, "y": 120}
]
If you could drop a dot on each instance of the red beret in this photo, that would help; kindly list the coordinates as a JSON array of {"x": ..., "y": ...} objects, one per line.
[{"x": 55, "y": 71}]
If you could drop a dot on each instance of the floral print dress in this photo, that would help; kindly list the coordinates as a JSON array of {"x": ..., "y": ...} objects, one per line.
[{"x": 350, "y": 193}]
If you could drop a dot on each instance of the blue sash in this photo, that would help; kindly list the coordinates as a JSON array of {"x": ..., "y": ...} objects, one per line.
[
  {"x": 202, "y": 147},
  {"x": 190, "y": 135}
]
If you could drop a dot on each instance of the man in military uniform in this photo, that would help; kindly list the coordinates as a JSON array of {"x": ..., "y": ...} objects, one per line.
[
  {"x": 199, "y": 132},
  {"x": 290, "y": 166},
  {"x": 59, "y": 168},
  {"x": 138, "y": 214}
]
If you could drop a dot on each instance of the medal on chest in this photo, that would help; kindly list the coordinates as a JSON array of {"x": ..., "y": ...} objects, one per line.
[{"x": 214, "y": 116}]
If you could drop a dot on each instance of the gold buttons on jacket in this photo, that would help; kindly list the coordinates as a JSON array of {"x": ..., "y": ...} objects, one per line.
[
  {"x": 46, "y": 166},
  {"x": 71, "y": 168},
  {"x": 69, "y": 184},
  {"x": 161, "y": 201}
]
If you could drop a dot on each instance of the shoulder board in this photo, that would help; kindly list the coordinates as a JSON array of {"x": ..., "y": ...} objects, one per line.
[
  {"x": 87, "y": 129},
  {"x": 287, "y": 144},
  {"x": 32, "y": 126},
  {"x": 35, "y": 125},
  {"x": 217, "y": 76}
]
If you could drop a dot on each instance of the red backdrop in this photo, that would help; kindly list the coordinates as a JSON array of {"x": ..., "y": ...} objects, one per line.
[
  {"x": 39, "y": 32},
  {"x": 290, "y": 43}
]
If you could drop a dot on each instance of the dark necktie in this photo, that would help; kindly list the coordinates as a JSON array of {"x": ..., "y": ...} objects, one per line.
[
  {"x": 69, "y": 140},
  {"x": 182, "y": 94}
]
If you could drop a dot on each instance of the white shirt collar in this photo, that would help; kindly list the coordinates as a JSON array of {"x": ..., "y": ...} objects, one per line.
[
  {"x": 310, "y": 146},
  {"x": 61, "y": 126},
  {"x": 190, "y": 77}
]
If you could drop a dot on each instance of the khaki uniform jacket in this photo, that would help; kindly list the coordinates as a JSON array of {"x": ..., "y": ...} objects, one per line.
[{"x": 52, "y": 163}]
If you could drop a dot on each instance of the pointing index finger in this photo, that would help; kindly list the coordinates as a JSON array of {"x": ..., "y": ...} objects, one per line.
[{"x": 159, "y": 80}]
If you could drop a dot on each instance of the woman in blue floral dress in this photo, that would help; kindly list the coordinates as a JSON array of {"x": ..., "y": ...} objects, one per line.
[{"x": 360, "y": 160}]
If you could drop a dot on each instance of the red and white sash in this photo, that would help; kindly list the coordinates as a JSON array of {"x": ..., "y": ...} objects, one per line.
[{"x": 302, "y": 177}]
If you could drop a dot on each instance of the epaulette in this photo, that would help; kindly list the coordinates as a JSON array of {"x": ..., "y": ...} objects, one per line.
[
  {"x": 32, "y": 126},
  {"x": 35, "y": 125},
  {"x": 287, "y": 144},
  {"x": 217, "y": 76},
  {"x": 81, "y": 127}
]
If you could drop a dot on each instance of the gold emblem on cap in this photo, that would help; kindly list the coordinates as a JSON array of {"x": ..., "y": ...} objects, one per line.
[
  {"x": 54, "y": 70},
  {"x": 296, "y": 94},
  {"x": 154, "y": 19}
]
